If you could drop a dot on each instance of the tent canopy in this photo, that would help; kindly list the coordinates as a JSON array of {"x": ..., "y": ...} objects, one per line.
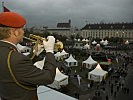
[
  {"x": 87, "y": 46},
  {"x": 102, "y": 41},
  {"x": 98, "y": 71},
  {"x": 63, "y": 52},
  {"x": 40, "y": 64},
  {"x": 20, "y": 47},
  {"x": 60, "y": 79},
  {"x": 60, "y": 76},
  {"x": 58, "y": 54},
  {"x": 94, "y": 42},
  {"x": 23, "y": 48},
  {"x": 90, "y": 61},
  {"x": 105, "y": 42},
  {"x": 83, "y": 40},
  {"x": 71, "y": 59}
]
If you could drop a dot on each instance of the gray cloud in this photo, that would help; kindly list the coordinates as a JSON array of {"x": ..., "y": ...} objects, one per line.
[{"x": 49, "y": 12}]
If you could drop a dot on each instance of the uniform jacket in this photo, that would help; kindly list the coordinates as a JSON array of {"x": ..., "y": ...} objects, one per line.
[{"x": 25, "y": 72}]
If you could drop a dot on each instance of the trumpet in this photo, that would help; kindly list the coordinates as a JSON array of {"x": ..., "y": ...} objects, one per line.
[
  {"x": 58, "y": 46},
  {"x": 33, "y": 41}
]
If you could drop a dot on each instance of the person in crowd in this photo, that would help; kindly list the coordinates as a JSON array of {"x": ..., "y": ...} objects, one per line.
[{"x": 19, "y": 78}]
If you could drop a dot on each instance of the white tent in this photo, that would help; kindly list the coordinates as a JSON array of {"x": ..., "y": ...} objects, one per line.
[
  {"x": 102, "y": 41},
  {"x": 89, "y": 62},
  {"x": 98, "y": 74},
  {"x": 23, "y": 49},
  {"x": 105, "y": 42},
  {"x": 58, "y": 55},
  {"x": 60, "y": 80},
  {"x": 40, "y": 64},
  {"x": 71, "y": 61},
  {"x": 64, "y": 54},
  {"x": 94, "y": 42},
  {"x": 86, "y": 46},
  {"x": 83, "y": 40},
  {"x": 61, "y": 55},
  {"x": 87, "y": 40},
  {"x": 45, "y": 93}
]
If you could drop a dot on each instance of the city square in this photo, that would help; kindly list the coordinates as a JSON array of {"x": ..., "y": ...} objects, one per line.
[{"x": 60, "y": 51}]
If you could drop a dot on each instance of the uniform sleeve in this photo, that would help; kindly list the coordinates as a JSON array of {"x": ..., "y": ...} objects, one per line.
[{"x": 28, "y": 74}]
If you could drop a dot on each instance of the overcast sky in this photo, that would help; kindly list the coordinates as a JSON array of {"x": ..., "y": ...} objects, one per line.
[{"x": 50, "y": 12}]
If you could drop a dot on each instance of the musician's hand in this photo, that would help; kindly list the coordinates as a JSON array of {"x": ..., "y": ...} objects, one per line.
[
  {"x": 39, "y": 49},
  {"x": 49, "y": 45}
]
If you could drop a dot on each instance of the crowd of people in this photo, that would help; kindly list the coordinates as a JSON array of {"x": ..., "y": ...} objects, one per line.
[{"x": 109, "y": 88}]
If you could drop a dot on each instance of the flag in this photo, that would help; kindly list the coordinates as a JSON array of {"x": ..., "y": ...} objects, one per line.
[{"x": 5, "y": 9}]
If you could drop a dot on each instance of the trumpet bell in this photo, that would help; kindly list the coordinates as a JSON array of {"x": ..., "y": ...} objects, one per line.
[{"x": 58, "y": 46}]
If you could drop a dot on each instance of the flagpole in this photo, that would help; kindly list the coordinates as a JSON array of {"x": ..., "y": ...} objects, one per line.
[
  {"x": 3, "y": 5},
  {"x": 5, "y": 9}
]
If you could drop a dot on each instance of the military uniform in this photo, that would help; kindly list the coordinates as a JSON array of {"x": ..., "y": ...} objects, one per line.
[{"x": 25, "y": 72}]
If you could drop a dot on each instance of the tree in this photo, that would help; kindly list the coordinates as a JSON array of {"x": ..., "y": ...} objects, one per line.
[
  {"x": 77, "y": 36},
  {"x": 72, "y": 37},
  {"x": 81, "y": 38}
]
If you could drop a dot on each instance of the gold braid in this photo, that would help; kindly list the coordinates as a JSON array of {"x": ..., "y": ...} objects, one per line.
[{"x": 13, "y": 76}]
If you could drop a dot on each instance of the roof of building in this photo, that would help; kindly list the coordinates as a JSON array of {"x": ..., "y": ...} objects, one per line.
[
  {"x": 46, "y": 93},
  {"x": 108, "y": 26},
  {"x": 64, "y": 25},
  {"x": 58, "y": 29}
]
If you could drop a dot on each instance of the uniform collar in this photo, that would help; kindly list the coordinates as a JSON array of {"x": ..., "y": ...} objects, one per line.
[{"x": 9, "y": 45}]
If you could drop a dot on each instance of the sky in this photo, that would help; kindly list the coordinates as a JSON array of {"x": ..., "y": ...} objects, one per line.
[{"x": 50, "y": 12}]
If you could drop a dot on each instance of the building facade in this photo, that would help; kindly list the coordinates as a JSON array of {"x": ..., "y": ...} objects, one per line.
[
  {"x": 64, "y": 29},
  {"x": 122, "y": 30},
  {"x": 60, "y": 31}
]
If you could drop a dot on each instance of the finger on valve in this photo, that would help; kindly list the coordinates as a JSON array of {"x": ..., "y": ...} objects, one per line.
[{"x": 38, "y": 49}]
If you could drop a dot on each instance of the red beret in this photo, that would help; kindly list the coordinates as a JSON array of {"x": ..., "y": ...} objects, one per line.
[{"x": 12, "y": 19}]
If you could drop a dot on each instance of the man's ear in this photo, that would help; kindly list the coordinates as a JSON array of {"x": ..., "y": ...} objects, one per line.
[{"x": 14, "y": 32}]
